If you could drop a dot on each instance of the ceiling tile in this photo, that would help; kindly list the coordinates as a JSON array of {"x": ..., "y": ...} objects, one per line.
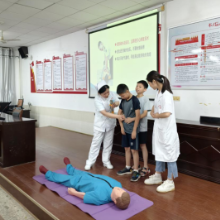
[
  {"x": 53, "y": 1},
  {"x": 4, "y": 5},
  {"x": 100, "y": 10},
  {"x": 115, "y": 15},
  {"x": 9, "y": 21},
  {"x": 152, "y": 3},
  {"x": 27, "y": 26},
  {"x": 47, "y": 30},
  {"x": 97, "y": 1},
  {"x": 116, "y": 5},
  {"x": 48, "y": 16},
  {"x": 38, "y": 33},
  {"x": 37, "y": 21},
  {"x": 133, "y": 9},
  {"x": 83, "y": 16},
  {"x": 20, "y": 9},
  {"x": 140, "y": 1},
  {"x": 39, "y": 4},
  {"x": 13, "y": 16},
  {"x": 12, "y": 1},
  {"x": 80, "y": 5},
  {"x": 70, "y": 21},
  {"x": 5, "y": 27},
  {"x": 28, "y": 37},
  {"x": 19, "y": 30},
  {"x": 61, "y": 10},
  {"x": 58, "y": 26},
  {"x": 10, "y": 34}
]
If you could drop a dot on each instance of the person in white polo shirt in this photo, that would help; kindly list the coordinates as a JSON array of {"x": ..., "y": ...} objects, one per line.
[{"x": 104, "y": 125}]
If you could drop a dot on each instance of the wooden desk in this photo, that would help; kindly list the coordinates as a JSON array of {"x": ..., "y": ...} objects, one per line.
[
  {"x": 17, "y": 138},
  {"x": 26, "y": 113},
  {"x": 199, "y": 148}
]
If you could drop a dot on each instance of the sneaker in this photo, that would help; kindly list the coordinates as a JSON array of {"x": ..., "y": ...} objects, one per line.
[
  {"x": 145, "y": 171},
  {"x": 153, "y": 179},
  {"x": 167, "y": 186},
  {"x": 87, "y": 167},
  {"x": 109, "y": 166},
  {"x": 139, "y": 167},
  {"x": 135, "y": 176},
  {"x": 124, "y": 171}
]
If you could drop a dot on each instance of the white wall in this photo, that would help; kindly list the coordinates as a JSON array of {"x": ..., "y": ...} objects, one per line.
[
  {"x": 57, "y": 47},
  {"x": 179, "y": 12},
  {"x": 176, "y": 13}
]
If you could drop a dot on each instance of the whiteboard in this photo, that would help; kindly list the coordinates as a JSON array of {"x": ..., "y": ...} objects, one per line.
[{"x": 194, "y": 55}]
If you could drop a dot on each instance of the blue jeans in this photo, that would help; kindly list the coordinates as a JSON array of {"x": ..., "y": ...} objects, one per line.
[{"x": 172, "y": 168}]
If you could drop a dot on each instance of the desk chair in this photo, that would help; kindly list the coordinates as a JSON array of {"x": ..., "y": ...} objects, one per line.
[
  {"x": 17, "y": 113},
  {"x": 20, "y": 105}
]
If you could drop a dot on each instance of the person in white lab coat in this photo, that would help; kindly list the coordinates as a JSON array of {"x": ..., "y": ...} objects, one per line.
[
  {"x": 165, "y": 140},
  {"x": 104, "y": 125}
]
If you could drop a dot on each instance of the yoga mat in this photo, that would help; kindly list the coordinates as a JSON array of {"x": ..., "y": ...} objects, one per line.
[{"x": 107, "y": 211}]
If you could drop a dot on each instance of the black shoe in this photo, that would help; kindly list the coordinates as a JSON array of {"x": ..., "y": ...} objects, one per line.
[
  {"x": 139, "y": 168},
  {"x": 135, "y": 176},
  {"x": 125, "y": 171}
]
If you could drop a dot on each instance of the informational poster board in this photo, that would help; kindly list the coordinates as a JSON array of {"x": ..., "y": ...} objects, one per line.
[
  {"x": 81, "y": 71},
  {"x": 68, "y": 72},
  {"x": 194, "y": 55},
  {"x": 57, "y": 73},
  {"x": 51, "y": 77},
  {"x": 47, "y": 75},
  {"x": 39, "y": 76}
]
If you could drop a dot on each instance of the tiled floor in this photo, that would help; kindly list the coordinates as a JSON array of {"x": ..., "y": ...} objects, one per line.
[{"x": 10, "y": 209}]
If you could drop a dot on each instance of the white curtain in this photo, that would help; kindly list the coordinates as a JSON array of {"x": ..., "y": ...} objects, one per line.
[{"x": 7, "y": 75}]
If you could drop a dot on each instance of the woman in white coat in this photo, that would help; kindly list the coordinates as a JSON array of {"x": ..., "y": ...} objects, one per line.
[
  {"x": 104, "y": 125},
  {"x": 165, "y": 140}
]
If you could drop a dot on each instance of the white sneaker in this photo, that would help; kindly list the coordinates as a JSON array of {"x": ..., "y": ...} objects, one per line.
[
  {"x": 153, "y": 179},
  {"x": 87, "y": 167},
  {"x": 109, "y": 166},
  {"x": 167, "y": 186}
]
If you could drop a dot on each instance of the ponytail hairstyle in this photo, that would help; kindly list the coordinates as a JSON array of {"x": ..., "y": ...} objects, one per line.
[{"x": 154, "y": 75}]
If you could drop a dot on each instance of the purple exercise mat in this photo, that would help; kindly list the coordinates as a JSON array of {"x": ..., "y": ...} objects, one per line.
[{"x": 107, "y": 211}]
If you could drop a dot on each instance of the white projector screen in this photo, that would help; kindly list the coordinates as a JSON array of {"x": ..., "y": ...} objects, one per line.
[{"x": 124, "y": 53}]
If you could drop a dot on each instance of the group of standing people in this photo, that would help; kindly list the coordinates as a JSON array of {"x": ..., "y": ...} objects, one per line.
[{"x": 132, "y": 117}]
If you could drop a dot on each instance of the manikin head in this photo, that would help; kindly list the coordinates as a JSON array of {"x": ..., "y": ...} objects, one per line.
[{"x": 120, "y": 197}]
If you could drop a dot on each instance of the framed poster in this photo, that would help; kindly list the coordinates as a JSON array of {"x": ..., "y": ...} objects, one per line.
[{"x": 194, "y": 55}]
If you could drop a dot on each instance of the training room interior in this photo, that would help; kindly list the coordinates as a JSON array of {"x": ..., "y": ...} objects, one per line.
[{"x": 50, "y": 63}]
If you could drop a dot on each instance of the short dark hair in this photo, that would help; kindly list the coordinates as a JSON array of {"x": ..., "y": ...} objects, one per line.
[
  {"x": 103, "y": 89},
  {"x": 122, "y": 88},
  {"x": 144, "y": 83},
  {"x": 123, "y": 201}
]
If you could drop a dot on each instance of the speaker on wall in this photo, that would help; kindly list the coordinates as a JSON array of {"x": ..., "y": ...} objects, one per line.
[{"x": 23, "y": 51}]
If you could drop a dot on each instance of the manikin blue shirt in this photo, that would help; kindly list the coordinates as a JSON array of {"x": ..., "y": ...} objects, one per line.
[{"x": 97, "y": 188}]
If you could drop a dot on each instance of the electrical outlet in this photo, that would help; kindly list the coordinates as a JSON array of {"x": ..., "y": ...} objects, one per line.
[{"x": 176, "y": 98}]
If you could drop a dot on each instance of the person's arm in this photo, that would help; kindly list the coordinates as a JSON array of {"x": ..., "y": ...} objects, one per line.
[
  {"x": 120, "y": 113},
  {"x": 111, "y": 115},
  {"x": 73, "y": 192},
  {"x": 152, "y": 112},
  {"x": 129, "y": 120},
  {"x": 162, "y": 115},
  {"x": 136, "y": 123}
]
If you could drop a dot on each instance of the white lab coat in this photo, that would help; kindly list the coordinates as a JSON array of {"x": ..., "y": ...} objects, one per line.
[
  {"x": 103, "y": 130},
  {"x": 165, "y": 142}
]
